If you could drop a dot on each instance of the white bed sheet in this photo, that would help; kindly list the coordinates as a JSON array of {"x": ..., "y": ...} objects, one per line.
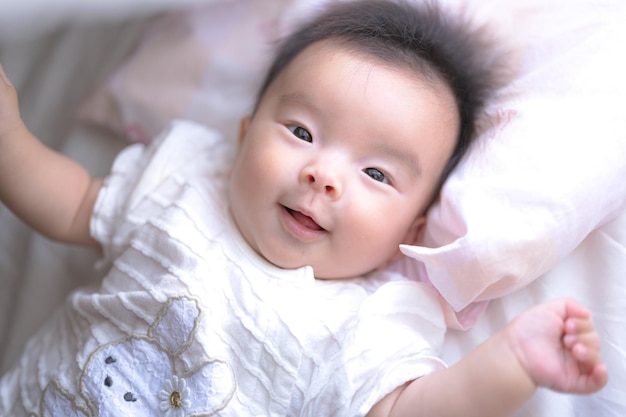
[{"x": 54, "y": 68}]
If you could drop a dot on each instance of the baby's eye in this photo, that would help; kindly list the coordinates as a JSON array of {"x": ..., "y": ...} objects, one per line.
[
  {"x": 301, "y": 133},
  {"x": 376, "y": 175}
]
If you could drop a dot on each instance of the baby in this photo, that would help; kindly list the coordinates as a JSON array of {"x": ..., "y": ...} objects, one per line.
[{"x": 254, "y": 284}]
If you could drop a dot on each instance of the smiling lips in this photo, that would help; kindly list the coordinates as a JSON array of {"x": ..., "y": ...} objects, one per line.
[
  {"x": 301, "y": 225},
  {"x": 304, "y": 220}
]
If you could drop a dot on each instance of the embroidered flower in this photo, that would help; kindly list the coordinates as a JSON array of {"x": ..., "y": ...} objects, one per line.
[{"x": 174, "y": 398}]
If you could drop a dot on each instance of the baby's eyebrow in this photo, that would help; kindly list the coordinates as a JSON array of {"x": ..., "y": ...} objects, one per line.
[
  {"x": 298, "y": 98},
  {"x": 400, "y": 155}
]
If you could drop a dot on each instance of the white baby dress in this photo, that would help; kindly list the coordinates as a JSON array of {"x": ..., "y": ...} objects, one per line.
[{"x": 190, "y": 321}]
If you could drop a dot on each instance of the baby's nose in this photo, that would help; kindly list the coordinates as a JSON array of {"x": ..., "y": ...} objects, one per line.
[
  {"x": 323, "y": 180},
  {"x": 319, "y": 184}
]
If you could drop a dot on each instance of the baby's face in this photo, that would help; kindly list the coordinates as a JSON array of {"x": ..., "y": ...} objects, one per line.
[{"x": 338, "y": 164}]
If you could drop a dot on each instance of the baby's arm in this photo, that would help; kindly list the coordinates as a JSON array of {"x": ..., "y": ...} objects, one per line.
[
  {"x": 553, "y": 345},
  {"x": 48, "y": 191}
]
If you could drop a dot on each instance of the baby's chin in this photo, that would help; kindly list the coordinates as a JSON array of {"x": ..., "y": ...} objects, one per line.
[
  {"x": 323, "y": 267},
  {"x": 327, "y": 272}
]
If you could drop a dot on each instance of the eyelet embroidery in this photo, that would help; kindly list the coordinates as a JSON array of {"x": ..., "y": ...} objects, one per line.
[{"x": 143, "y": 374}]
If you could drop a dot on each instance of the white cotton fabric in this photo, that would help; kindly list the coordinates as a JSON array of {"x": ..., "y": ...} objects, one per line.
[{"x": 190, "y": 321}]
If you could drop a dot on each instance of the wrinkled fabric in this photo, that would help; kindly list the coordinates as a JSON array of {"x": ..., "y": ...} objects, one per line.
[{"x": 190, "y": 321}]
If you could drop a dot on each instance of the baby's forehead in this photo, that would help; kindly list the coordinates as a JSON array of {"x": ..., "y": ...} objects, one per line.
[{"x": 412, "y": 66}]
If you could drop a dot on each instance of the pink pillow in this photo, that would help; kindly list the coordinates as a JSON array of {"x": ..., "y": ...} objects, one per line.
[{"x": 551, "y": 169}]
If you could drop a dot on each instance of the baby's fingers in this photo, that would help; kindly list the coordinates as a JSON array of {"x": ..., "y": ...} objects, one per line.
[
  {"x": 587, "y": 353},
  {"x": 592, "y": 371},
  {"x": 580, "y": 330},
  {"x": 4, "y": 78},
  {"x": 573, "y": 309},
  {"x": 9, "y": 109},
  {"x": 579, "y": 325},
  {"x": 593, "y": 380},
  {"x": 581, "y": 338}
]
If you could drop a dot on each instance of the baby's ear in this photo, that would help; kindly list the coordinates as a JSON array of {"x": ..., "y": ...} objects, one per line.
[
  {"x": 415, "y": 234},
  {"x": 243, "y": 128}
]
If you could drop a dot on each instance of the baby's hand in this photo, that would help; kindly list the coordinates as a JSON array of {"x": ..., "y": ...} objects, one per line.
[
  {"x": 10, "y": 119},
  {"x": 557, "y": 345}
]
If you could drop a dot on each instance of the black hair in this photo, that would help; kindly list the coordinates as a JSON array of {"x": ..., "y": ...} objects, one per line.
[{"x": 419, "y": 37}]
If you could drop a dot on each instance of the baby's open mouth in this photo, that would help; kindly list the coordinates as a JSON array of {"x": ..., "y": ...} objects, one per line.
[{"x": 304, "y": 220}]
